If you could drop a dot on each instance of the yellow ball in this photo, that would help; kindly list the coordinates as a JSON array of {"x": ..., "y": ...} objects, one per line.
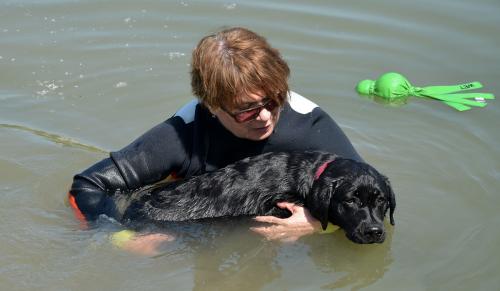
[
  {"x": 330, "y": 228},
  {"x": 121, "y": 237}
]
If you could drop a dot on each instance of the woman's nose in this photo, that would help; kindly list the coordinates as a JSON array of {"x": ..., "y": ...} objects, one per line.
[{"x": 264, "y": 114}]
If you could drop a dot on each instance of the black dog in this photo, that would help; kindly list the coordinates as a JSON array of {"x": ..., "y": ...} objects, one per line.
[{"x": 347, "y": 193}]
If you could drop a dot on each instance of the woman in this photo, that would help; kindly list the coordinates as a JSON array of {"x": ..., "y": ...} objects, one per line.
[{"x": 244, "y": 108}]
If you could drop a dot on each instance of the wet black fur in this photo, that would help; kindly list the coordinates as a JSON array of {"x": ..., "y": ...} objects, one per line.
[{"x": 349, "y": 194}]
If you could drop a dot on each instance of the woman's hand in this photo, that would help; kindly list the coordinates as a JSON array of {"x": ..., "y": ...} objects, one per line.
[{"x": 300, "y": 223}]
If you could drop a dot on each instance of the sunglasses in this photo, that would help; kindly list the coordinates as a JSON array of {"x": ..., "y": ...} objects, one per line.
[{"x": 252, "y": 113}]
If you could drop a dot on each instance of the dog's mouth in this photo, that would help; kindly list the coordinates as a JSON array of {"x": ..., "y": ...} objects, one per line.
[{"x": 367, "y": 235}]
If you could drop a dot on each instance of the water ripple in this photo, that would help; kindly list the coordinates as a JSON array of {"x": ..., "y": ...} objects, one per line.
[{"x": 55, "y": 138}]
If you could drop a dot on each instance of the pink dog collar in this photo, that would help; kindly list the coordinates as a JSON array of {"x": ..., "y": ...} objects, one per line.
[{"x": 321, "y": 169}]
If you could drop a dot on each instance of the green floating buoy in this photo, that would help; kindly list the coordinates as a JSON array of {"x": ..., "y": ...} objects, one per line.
[{"x": 395, "y": 88}]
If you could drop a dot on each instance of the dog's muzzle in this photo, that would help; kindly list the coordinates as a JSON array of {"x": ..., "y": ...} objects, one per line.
[{"x": 367, "y": 234}]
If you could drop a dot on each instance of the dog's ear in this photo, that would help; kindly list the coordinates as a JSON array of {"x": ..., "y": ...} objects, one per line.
[
  {"x": 392, "y": 198},
  {"x": 321, "y": 196}
]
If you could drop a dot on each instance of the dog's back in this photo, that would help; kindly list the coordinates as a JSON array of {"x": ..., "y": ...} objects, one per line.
[{"x": 251, "y": 186}]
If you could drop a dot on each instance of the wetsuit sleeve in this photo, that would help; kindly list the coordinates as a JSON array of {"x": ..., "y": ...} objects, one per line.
[
  {"x": 154, "y": 155},
  {"x": 148, "y": 159},
  {"x": 326, "y": 135}
]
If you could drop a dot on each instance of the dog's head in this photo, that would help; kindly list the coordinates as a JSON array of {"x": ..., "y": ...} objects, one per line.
[{"x": 355, "y": 197}]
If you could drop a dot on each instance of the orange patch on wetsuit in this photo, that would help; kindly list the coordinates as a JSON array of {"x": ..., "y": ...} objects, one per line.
[{"x": 78, "y": 214}]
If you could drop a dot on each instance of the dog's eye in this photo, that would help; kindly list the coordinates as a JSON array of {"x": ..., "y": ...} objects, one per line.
[
  {"x": 350, "y": 202},
  {"x": 381, "y": 200}
]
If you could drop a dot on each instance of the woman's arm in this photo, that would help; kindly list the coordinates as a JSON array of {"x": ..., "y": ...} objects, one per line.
[{"x": 147, "y": 160}]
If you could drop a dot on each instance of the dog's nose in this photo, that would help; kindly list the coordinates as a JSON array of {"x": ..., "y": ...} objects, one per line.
[{"x": 374, "y": 233}]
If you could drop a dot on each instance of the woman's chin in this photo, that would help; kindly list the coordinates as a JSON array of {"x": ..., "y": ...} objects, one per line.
[{"x": 260, "y": 133}]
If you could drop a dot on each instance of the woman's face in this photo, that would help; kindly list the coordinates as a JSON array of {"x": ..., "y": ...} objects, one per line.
[{"x": 258, "y": 128}]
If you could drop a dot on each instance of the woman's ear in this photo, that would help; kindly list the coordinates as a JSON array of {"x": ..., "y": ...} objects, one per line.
[
  {"x": 214, "y": 112},
  {"x": 211, "y": 109}
]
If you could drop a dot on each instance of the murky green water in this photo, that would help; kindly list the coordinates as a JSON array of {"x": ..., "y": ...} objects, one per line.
[{"x": 80, "y": 78}]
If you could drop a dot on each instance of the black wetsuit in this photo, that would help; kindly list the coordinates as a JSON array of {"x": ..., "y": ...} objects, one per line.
[{"x": 193, "y": 142}]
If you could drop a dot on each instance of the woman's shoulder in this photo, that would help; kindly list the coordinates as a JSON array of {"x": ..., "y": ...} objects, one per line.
[{"x": 307, "y": 127}]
